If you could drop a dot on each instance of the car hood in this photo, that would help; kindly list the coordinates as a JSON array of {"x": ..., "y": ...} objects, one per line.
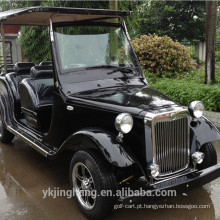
[{"x": 132, "y": 99}]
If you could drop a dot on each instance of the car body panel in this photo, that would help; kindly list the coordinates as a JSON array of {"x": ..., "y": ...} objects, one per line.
[
  {"x": 180, "y": 184},
  {"x": 84, "y": 113},
  {"x": 203, "y": 131},
  {"x": 114, "y": 152}
]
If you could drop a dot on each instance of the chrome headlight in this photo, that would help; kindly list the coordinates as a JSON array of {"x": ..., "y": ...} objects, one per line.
[
  {"x": 196, "y": 109},
  {"x": 124, "y": 123}
]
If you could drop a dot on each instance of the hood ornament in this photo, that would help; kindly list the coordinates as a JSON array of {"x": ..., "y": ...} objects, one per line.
[{"x": 173, "y": 116}]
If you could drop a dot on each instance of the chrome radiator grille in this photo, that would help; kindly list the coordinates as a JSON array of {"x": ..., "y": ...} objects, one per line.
[{"x": 171, "y": 151}]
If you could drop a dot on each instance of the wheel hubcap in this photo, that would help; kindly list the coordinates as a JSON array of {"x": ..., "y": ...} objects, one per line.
[{"x": 83, "y": 185}]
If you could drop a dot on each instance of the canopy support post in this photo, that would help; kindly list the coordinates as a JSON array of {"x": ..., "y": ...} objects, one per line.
[{"x": 3, "y": 47}]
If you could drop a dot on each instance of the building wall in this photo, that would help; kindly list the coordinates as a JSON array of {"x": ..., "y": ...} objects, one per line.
[
  {"x": 16, "y": 51},
  {"x": 16, "y": 48},
  {"x": 11, "y": 34}
]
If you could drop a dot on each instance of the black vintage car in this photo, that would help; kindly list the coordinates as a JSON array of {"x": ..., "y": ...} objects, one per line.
[{"x": 93, "y": 100}]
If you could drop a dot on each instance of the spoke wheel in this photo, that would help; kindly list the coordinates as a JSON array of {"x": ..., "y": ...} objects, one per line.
[
  {"x": 90, "y": 174},
  {"x": 84, "y": 186}
]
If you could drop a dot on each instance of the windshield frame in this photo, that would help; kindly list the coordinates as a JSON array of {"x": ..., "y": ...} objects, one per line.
[{"x": 96, "y": 22}]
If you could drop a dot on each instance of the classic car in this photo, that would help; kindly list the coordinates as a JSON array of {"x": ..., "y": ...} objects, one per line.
[{"x": 93, "y": 100}]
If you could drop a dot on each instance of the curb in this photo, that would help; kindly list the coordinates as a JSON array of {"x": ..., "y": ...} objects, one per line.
[{"x": 214, "y": 117}]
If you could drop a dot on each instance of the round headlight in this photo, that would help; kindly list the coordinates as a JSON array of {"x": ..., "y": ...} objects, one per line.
[
  {"x": 124, "y": 123},
  {"x": 196, "y": 109}
]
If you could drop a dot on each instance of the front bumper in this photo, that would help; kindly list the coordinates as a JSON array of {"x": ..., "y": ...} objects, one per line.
[{"x": 180, "y": 184}]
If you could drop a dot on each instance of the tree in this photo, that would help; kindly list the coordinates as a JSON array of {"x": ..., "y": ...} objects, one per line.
[
  {"x": 176, "y": 19},
  {"x": 8, "y": 5},
  {"x": 132, "y": 22},
  {"x": 211, "y": 22},
  {"x": 37, "y": 38}
]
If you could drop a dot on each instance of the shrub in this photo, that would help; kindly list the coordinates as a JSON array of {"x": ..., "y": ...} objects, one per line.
[
  {"x": 161, "y": 55},
  {"x": 186, "y": 90}
]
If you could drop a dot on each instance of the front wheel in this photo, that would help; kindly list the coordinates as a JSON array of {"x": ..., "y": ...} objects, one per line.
[
  {"x": 210, "y": 158},
  {"x": 90, "y": 177},
  {"x": 5, "y": 136}
]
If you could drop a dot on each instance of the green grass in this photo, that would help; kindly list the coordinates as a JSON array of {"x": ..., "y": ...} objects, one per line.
[
  {"x": 190, "y": 87},
  {"x": 217, "y": 73}
]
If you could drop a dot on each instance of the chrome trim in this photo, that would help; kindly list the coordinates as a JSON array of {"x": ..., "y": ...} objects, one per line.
[
  {"x": 26, "y": 140},
  {"x": 82, "y": 183},
  {"x": 126, "y": 30},
  {"x": 172, "y": 114},
  {"x": 69, "y": 107},
  {"x": 118, "y": 121},
  {"x": 173, "y": 176},
  {"x": 192, "y": 106},
  {"x": 51, "y": 29}
]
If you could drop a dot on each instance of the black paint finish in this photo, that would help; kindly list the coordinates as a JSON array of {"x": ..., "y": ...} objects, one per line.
[
  {"x": 181, "y": 184},
  {"x": 82, "y": 115}
]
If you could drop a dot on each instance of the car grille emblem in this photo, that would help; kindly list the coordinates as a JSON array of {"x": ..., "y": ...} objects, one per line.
[{"x": 173, "y": 116}]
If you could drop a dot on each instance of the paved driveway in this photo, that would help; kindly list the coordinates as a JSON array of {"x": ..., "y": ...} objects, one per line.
[{"x": 24, "y": 174}]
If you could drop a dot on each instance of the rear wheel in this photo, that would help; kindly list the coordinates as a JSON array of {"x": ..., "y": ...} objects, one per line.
[
  {"x": 89, "y": 176},
  {"x": 5, "y": 136},
  {"x": 210, "y": 158}
]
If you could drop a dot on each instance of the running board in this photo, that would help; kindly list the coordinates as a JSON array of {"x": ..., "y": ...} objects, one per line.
[{"x": 36, "y": 145}]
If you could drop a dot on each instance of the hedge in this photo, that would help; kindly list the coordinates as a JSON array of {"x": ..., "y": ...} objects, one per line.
[{"x": 184, "y": 92}]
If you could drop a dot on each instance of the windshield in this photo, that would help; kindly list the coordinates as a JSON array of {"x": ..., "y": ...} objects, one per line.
[{"x": 97, "y": 46}]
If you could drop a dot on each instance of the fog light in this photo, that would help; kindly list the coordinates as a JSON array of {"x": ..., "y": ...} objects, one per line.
[
  {"x": 154, "y": 170},
  {"x": 198, "y": 157}
]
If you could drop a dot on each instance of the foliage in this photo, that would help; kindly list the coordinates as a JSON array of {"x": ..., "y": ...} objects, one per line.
[
  {"x": 161, "y": 55},
  {"x": 75, "y": 4},
  {"x": 189, "y": 88},
  {"x": 36, "y": 38},
  {"x": 8, "y": 5},
  {"x": 132, "y": 22},
  {"x": 36, "y": 46},
  {"x": 176, "y": 19}
]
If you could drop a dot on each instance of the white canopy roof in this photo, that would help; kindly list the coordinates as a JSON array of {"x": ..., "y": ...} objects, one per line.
[{"x": 42, "y": 15}]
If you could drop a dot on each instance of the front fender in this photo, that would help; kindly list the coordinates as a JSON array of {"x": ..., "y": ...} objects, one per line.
[
  {"x": 114, "y": 152},
  {"x": 203, "y": 131}
]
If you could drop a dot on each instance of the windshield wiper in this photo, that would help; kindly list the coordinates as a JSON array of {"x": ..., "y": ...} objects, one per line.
[
  {"x": 122, "y": 69},
  {"x": 101, "y": 67}
]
